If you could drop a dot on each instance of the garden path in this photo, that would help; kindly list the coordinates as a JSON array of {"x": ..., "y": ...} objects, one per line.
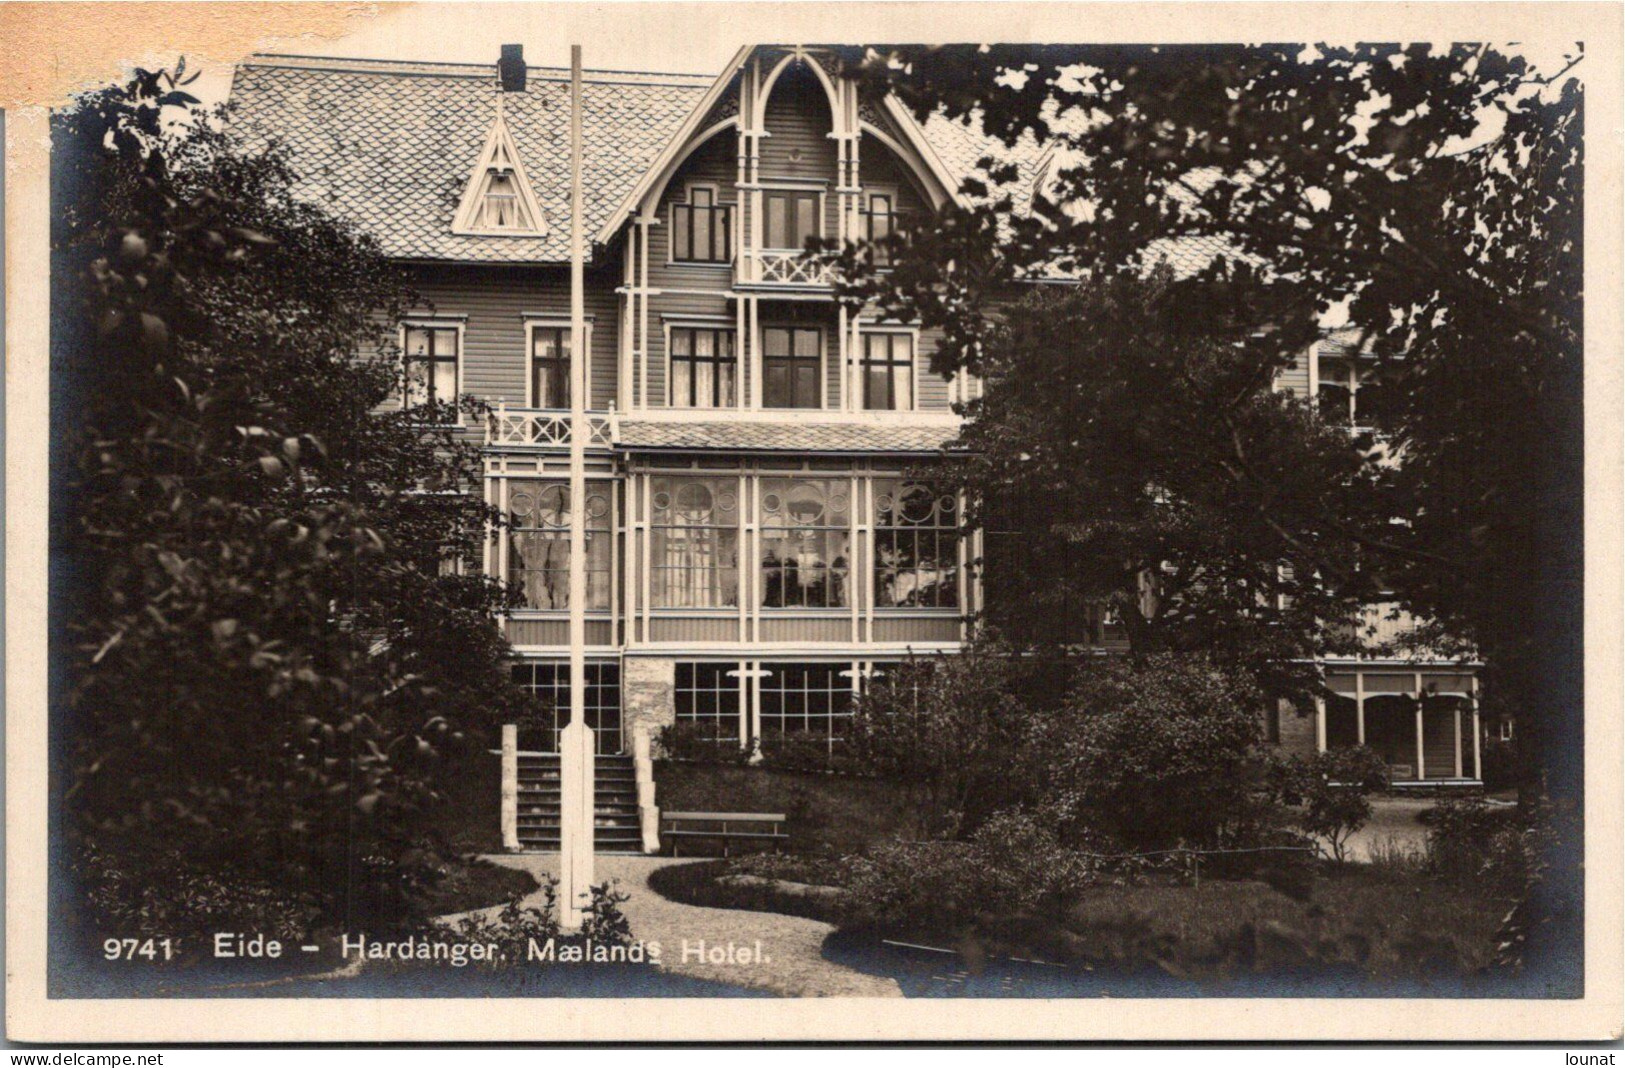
[{"x": 793, "y": 964}]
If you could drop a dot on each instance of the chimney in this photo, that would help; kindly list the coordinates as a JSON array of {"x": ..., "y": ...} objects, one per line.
[{"x": 511, "y": 68}]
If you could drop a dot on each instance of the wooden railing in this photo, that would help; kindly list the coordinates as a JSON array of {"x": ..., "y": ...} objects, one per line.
[
  {"x": 546, "y": 428},
  {"x": 791, "y": 269}
]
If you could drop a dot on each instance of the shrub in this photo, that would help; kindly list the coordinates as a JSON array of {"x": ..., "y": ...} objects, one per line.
[
  {"x": 516, "y": 925},
  {"x": 947, "y": 729},
  {"x": 1013, "y": 864},
  {"x": 1332, "y": 787},
  {"x": 1495, "y": 848},
  {"x": 605, "y": 923},
  {"x": 806, "y": 752},
  {"x": 1153, "y": 752},
  {"x": 189, "y": 900},
  {"x": 694, "y": 742}
]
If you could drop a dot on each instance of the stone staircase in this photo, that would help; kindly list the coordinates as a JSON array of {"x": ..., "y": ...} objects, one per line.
[{"x": 616, "y": 828}]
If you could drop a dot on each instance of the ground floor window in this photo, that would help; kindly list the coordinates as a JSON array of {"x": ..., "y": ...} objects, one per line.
[
  {"x": 805, "y": 704},
  {"x": 806, "y": 542},
  {"x": 539, "y": 543},
  {"x": 794, "y": 708},
  {"x": 707, "y": 694},
  {"x": 550, "y": 680}
]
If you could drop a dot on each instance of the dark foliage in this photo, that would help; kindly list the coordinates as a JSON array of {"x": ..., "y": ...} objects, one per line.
[
  {"x": 268, "y": 663},
  {"x": 1153, "y": 752},
  {"x": 1333, "y": 790}
]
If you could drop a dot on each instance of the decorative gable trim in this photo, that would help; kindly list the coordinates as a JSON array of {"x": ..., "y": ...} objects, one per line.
[{"x": 499, "y": 165}]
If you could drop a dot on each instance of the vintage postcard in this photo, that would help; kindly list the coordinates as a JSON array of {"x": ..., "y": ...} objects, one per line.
[{"x": 945, "y": 521}]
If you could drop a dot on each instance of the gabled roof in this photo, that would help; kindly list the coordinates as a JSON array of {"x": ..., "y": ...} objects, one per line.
[{"x": 390, "y": 145}]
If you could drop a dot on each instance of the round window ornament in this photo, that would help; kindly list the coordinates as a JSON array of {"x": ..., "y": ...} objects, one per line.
[
  {"x": 917, "y": 504},
  {"x": 521, "y": 504},
  {"x": 837, "y": 502},
  {"x": 772, "y": 503},
  {"x": 597, "y": 506},
  {"x": 946, "y": 504},
  {"x": 694, "y": 500},
  {"x": 555, "y": 501},
  {"x": 884, "y": 502},
  {"x": 806, "y": 503},
  {"x": 662, "y": 501},
  {"x": 726, "y": 502}
]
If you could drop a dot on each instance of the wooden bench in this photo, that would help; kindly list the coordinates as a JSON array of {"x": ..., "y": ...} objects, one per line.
[{"x": 729, "y": 827}]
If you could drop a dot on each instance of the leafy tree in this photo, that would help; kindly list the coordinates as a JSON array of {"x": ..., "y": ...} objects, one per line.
[
  {"x": 267, "y": 655},
  {"x": 1153, "y": 751},
  {"x": 1333, "y": 789},
  {"x": 947, "y": 728},
  {"x": 1130, "y": 453},
  {"x": 1434, "y": 194}
]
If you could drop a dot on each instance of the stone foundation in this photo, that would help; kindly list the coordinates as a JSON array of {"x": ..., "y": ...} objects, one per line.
[{"x": 648, "y": 686}]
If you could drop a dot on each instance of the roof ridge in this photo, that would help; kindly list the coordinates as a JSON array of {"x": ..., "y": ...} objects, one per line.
[{"x": 373, "y": 65}]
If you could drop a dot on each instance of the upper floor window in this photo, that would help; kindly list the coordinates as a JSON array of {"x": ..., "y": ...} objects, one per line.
[
  {"x": 888, "y": 372},
  {"x": 701, "y": 229},
  {"x": 792, "y": 217},
  {"x": 549, "y": 366},
  {"x": 539, "y": 543},
  {"x": 880, "y": 219},
  {"x": 431, "y": 364},
  {"x": 702, "y": 367},
  {"x": 792, "y": 367}
]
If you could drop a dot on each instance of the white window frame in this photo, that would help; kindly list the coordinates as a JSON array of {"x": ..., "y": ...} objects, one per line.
[
  {"x": 716, "y": 202},
  {"x": 771, "y": 186},
  {"x": 823, "y": 363},
  {"x": 723, "y": 323},
  {"x": 433, "y": 322},
  {"x": 552, "y": 321},
  {"x": 864, "y": 330}
]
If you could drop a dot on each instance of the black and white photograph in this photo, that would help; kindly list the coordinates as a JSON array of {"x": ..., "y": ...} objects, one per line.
[{"x": 598, "y": 510}]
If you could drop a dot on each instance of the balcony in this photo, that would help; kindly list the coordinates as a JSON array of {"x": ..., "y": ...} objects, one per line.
[
  {"x": 545, "y": 428},
  {"x": 785, "y": 269}
]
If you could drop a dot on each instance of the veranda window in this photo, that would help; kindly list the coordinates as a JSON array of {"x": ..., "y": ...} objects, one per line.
[
  {"x": 550, "y": 681},
  {"x": 792, "y": 366},
  {"x": 700, "y": 229},
  {"x": 549, "y": 367},
  {"x": 708, "y": 694},
  {"x": 431, "y": 365},
  {"x": 539, "y": 543},
  {"x": 888, "y": 372},
  {"x": 702, "y": 368},
  {"x": 806, "y": 543},
  {"x": 811, "y": 702},
  {"x": 916, "y": 545},
  {"x": 694, "y": 542}
]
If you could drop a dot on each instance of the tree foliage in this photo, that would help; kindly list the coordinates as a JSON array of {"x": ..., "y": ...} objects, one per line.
[
  {"x": 947, "y": 728},
  {"x": 1434, "y": 195},
  {"x": 267, "y": 655},
  {"x": 1333, "y": 791},
  {"x": 1130, "y": 453},
  {"x": 1154, "y": 751}
]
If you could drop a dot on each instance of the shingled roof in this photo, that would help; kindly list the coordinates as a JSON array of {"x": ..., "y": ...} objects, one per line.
[
  {"x": 799, "y": 436},
  {"x": 391, "y": 145}
]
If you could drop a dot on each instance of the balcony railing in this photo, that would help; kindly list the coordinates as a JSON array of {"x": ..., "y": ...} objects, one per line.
[
  {"x": 545, "y": 428},
  {"x": 791, "y": 269}
]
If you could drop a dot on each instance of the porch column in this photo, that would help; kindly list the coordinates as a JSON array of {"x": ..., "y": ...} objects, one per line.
[
  {"x": 1456, "y": 717},
  {"x": 1478, "y": 769},
  {"x": 1421, "y": 758},
  {"x": 1320, "y": 724},
  {"x": 1359, "y": 706}
]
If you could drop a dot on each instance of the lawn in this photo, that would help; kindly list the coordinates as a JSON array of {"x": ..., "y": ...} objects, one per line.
[
  {"x": 1347, "y": 929},
  {"x": 827, "y": 813}
]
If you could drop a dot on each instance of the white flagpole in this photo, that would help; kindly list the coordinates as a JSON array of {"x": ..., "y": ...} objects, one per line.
[{"x": 576, "y": 830}]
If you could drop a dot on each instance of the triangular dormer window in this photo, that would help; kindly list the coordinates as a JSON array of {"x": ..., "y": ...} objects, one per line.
[{"x": 497, "y": 200}]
